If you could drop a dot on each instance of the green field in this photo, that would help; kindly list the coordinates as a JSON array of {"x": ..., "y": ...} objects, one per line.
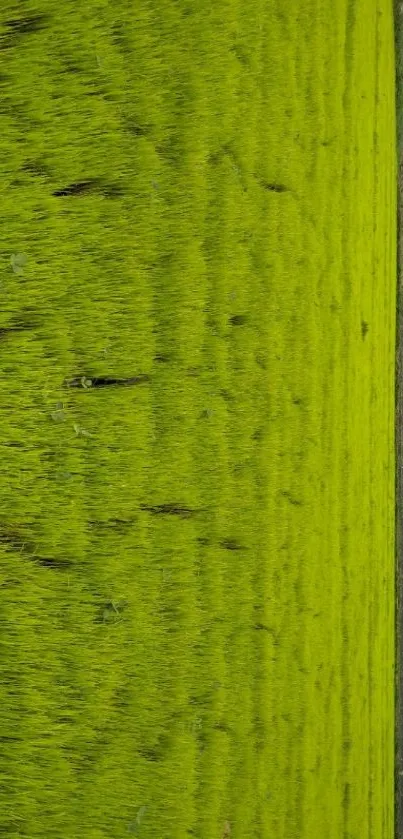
[{"x": 197, "y": 568}]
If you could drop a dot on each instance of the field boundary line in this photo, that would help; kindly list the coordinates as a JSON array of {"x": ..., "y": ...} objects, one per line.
[{"x": 398, "y": 10}]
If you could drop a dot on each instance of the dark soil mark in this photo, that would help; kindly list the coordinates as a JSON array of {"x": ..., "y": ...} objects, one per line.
[
  {"x": 24, "y": 25},
  {"x": 18, "y": 27},
  {"x": 57, "y": 564},
  {"x": 85, "y": 187},
  {"x": 274, "y": 187},
  {"x": 84, "y": 383},
  {"x": 23, "y": 322},
  {"x": 232, "y": 545},
  {"x": 14, "y": 540},
  {"x": 76, "y": 189},
  {"x": 134, "y": 128},
  {"x": 238, "y": 320},
  {"x": 169, "y": 510},
  {"x": 155, "y": 752},
  {"x": 14, "y": 444},
  {"x": 10, "y": 330}
]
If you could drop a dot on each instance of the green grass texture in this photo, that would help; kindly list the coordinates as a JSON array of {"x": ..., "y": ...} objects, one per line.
[{"x": 197, "y": 338}]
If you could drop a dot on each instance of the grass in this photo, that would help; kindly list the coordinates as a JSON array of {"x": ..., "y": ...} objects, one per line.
[{"x": 197, "y": 569}]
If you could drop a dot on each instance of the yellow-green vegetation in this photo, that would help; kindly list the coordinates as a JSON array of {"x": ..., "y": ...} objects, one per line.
[{"x": 197, "y": 328}]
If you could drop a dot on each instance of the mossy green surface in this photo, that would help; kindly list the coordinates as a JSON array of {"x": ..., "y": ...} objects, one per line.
[{"x": 197, "y": 572}]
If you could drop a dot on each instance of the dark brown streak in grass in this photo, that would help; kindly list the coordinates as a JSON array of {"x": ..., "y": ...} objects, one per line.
[
  {"x": 169, "y": 510},
  {"x": 85, "y": 187},
  {"x": 232, "y": 545},
  {"x": 16, "y": 28},
  {"x": 106, "y": 381}
]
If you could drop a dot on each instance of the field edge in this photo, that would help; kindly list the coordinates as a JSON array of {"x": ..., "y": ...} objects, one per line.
[{"x": 399, "y": 434}]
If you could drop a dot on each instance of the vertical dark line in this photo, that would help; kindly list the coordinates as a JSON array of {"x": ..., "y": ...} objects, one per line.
[
  {"x": 350, "y": 23},
  {"x": 398, "y": 810}
]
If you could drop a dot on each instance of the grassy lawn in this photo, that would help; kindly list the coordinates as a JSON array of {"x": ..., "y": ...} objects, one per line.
[{"x": 197, "y": 335}]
